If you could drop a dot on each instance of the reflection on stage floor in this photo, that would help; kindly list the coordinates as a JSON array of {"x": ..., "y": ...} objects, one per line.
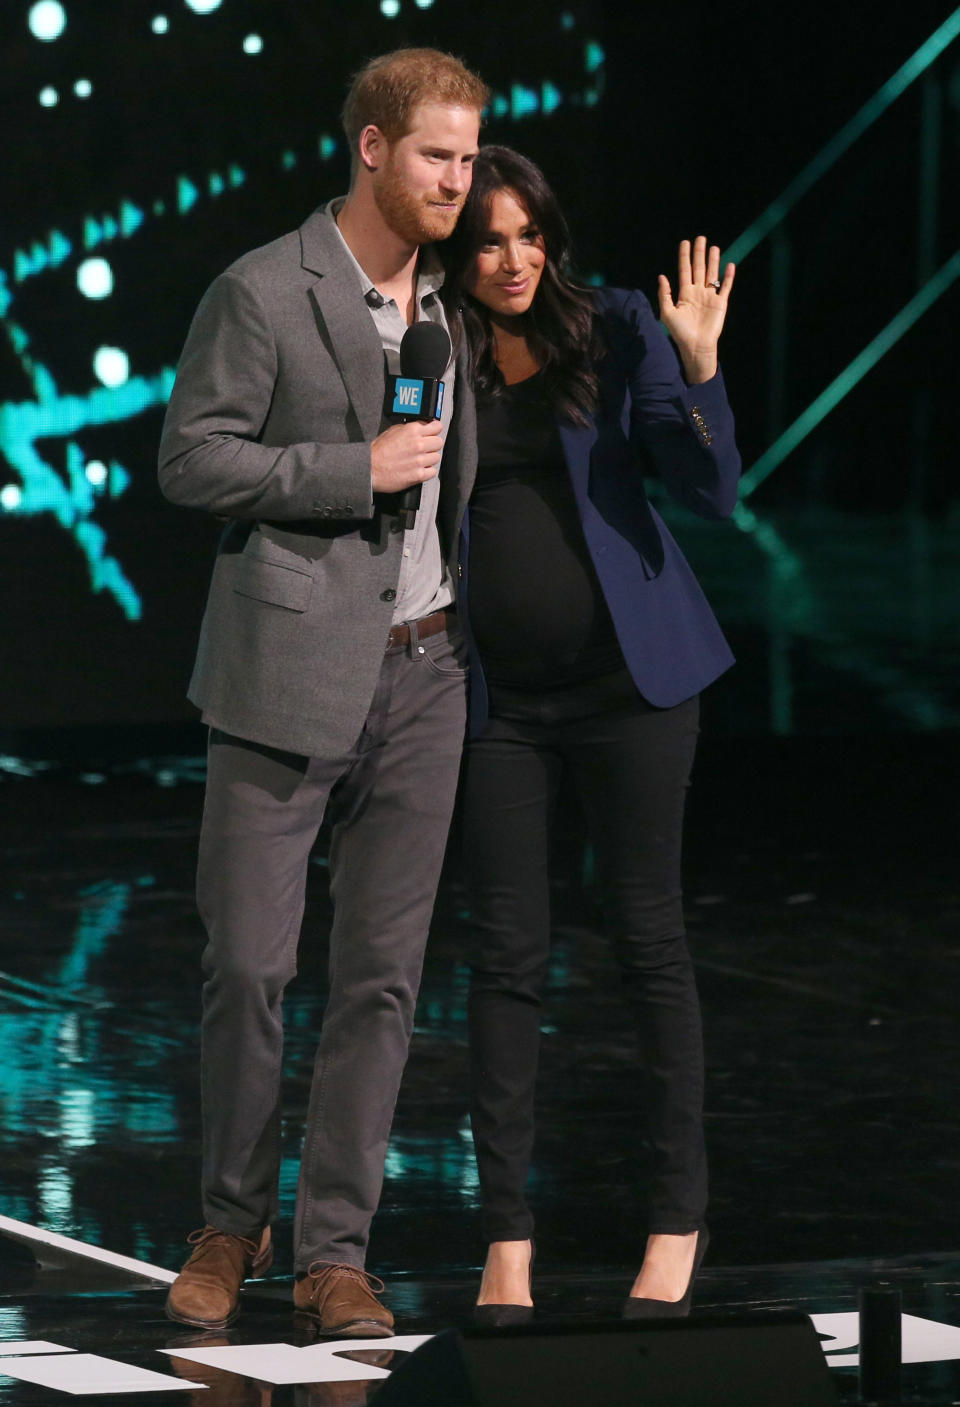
[{"x": 822, "y": 900}]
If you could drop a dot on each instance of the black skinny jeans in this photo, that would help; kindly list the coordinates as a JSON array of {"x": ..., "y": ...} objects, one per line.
[{"x": 630, "y": 764}]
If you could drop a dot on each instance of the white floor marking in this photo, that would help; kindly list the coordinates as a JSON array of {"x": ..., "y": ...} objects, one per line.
[
  {"x": 83, "y": 1374},
  {"x": 922, "y": 1340},
  {"x": 35, "y": 1236},
  {"x": 316, "y": 1363},
  {"x": 18, "y": 1347}
]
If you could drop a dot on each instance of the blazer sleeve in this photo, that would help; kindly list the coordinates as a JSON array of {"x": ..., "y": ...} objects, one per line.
[
  {"x": 688, "y": 430},
  {"x": 211, "y": 451}
]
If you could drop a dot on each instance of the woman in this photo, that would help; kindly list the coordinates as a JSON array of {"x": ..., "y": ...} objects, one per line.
[{"x": 591, "y": 641}]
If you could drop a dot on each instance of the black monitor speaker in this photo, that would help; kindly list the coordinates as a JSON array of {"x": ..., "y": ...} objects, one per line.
[{"x": 763, "y": 1360}]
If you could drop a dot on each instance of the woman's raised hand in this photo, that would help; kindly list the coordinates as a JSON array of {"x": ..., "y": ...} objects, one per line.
[{"x": 695, "y": 320}]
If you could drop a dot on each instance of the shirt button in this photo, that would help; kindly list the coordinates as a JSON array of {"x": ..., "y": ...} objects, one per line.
[{"x": 388, "y": 595}]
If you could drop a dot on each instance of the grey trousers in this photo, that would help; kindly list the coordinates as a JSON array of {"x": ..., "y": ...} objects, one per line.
[{"x": 390, "y": 802}]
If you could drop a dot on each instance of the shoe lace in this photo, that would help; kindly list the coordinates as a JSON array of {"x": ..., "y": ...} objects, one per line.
[
  {"x": 319, "y": 1271},
  {"x": 203, "y": 1240}
]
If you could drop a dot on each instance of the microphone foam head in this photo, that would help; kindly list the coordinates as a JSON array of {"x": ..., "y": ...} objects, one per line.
[{"x": 424, "y": 351}]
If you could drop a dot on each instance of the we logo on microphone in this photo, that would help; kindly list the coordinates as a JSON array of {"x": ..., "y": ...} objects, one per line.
[
  {"x": 416, "y": 398},
  {"x": 407, "y": 396}
]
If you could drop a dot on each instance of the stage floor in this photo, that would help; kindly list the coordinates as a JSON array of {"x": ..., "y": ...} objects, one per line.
[{"x": 823, "y": 900}]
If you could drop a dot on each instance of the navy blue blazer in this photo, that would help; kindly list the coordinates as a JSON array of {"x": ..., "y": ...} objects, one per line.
[{"x": 669, "y": 636}]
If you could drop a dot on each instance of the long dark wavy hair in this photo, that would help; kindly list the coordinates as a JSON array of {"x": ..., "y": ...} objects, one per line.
[{"x": 561, "y": 325}]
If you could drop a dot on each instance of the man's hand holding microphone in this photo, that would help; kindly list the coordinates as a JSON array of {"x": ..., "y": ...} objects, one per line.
[{"x": 405, "y": 455}]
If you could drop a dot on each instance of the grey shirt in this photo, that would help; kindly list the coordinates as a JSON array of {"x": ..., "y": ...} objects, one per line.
[{"x": 426, "y": 582}]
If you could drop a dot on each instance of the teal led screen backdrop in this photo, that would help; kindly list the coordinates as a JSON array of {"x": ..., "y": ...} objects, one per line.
[{"x": 147, "y": 145}]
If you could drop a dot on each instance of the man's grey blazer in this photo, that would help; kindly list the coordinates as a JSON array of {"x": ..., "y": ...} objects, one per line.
[{"x": 279, "y": 392}]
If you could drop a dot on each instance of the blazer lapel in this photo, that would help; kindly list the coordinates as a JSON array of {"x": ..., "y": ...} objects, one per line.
[
  {"x": 578, "y": 441},
  {"x": 354, "y": 341},
  {"x": 459, "y": 468}
]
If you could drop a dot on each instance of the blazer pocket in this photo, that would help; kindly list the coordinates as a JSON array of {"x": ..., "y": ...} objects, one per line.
[{"x": 275, "y": 583}]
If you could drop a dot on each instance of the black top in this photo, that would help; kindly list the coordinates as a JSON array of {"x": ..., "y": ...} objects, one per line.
[{"x": 536, "y": 608}]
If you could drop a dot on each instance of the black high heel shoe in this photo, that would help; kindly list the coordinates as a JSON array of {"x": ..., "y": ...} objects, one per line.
[
  {"x": 636, "y": 1308},
  {"x": 505, "y": 1316}
]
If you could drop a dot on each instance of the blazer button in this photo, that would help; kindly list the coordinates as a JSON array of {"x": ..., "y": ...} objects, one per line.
[
  {"x": 388, "y": 595},
  {"x": 348, "y": 509}
]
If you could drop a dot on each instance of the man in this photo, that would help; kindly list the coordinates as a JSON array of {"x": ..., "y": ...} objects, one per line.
[{"x": 330, "y": 670}]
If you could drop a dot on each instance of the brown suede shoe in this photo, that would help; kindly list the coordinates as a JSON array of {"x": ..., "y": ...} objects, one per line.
[
  {"x": 344, "y": 1300},
  {"x": 206, "y": 1293}
]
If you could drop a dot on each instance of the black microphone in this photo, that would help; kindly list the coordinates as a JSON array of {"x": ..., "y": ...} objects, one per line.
[{"x": 417, "y": 393}]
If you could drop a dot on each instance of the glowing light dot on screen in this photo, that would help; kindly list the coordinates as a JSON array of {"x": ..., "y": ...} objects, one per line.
[
  {"x": 96, "y": 472},
  {"x": 95, "y": 278},
  {"x": 423, "y": 4},
  {"x": 390, "y": 8},
  {"x": 47, "y": 20},
  {"x": 253, "y": 44},
  {"x": 49, "y": 97},
  {"x": 10, "y": 497},
  {"x": 83, "y": 87},
  {"x": 111, "y": 365},
  {"x": 203, "y": 7},
  {"x": 159, "y": 24}
]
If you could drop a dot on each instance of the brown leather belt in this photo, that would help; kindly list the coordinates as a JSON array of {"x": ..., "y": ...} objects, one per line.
[{"x": 430, "y": 625}]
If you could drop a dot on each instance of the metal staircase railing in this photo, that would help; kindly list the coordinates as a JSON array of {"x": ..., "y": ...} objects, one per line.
[{"x": 932, "y": 283}]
